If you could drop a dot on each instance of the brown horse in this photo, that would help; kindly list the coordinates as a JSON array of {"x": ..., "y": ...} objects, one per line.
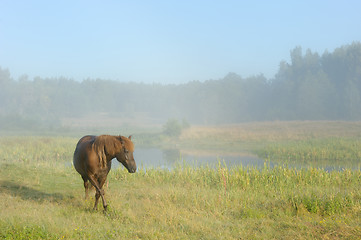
[{"x": 93, "y": 157}]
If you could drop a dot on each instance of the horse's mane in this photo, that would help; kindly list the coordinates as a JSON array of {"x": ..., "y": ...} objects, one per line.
[{"x": 106, "y": 145}]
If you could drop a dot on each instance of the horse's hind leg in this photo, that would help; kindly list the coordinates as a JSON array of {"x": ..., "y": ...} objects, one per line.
[{"x": 86, "y": 186}]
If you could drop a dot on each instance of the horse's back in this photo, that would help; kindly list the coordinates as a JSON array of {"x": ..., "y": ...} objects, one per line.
[
  {"x": 81, "y": 153},
  {"x": 86, "y": 139}
]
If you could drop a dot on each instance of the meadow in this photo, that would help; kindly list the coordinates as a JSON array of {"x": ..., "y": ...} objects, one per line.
[{"x": 42, "y": 196}]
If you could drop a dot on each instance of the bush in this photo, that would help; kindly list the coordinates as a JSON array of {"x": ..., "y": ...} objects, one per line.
[{"x": 173, "y": 127}]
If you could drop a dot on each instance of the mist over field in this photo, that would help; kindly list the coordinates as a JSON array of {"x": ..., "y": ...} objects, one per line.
[{"x": 312, "y": 86}]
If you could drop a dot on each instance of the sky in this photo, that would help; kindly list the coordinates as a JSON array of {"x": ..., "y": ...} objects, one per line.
[{"x": 167, "y": 41}]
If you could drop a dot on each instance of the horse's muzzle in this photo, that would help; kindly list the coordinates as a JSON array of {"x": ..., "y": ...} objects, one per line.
[{"x": 132, "y": 170}]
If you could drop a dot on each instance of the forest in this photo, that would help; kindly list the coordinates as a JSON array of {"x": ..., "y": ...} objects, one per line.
[{"x": 311, "y": 86}]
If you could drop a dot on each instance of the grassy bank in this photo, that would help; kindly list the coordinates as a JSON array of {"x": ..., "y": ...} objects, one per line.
[
  {"x": 43, "y": 198},
  {"x": 256, "y": 135},
  {"x": 296, "y": 143}
]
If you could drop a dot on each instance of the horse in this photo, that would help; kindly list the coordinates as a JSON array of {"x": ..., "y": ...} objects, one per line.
[{"x": 93, "y": 160}]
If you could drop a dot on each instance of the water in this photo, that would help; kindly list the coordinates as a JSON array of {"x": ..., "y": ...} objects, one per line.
[{"x": 168, "y": 159}]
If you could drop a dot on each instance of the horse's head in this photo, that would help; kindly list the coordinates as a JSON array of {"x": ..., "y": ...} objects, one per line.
[{"x": 125, "y": 156}]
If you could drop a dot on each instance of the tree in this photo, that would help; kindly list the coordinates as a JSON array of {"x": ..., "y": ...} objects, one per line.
[{"x": 172, "y": 128}]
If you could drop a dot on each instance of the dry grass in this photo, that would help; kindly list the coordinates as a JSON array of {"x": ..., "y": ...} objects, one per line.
[{"x": 274, "y": 131}]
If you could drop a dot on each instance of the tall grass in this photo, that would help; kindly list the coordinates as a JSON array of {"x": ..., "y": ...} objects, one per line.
[
  {"x": 39, "y": 150},
  {"x": 344, "y": 152}
]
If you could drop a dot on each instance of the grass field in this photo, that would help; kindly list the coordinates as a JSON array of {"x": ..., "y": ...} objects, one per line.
[{"x": 42, "y": 196}]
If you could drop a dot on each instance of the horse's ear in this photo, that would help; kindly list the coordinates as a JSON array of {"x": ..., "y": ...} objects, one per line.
[{"x": 130, "y": 137}]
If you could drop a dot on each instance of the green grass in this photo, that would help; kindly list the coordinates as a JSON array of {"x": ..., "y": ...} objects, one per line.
[
  {"x": 42, "y": 197},
  {"x": 186, "y": 203}
]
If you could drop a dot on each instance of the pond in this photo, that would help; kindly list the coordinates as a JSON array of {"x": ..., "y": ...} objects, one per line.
[
  {"x": 170, "y": 158},
  {"x": 167, "y": 159}
]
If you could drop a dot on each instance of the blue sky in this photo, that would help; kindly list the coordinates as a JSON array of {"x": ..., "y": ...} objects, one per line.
[{"x": 167, "y": 41}]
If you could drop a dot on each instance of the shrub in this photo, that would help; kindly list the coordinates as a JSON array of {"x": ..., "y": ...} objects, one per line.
[{"x": 173, "y": 128}]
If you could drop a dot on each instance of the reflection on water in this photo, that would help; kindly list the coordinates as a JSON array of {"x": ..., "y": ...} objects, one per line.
[{"x": 168, "y": 159}]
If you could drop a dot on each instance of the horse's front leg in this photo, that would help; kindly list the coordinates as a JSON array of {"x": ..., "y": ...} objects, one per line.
[
  {"x": 102, "y": 192},
  {"x": 97, "y": 195},
  {"x": 99, "y": 192}
]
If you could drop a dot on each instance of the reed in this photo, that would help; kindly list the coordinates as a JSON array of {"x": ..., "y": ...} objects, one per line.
[{"x": 333, "y": 151}]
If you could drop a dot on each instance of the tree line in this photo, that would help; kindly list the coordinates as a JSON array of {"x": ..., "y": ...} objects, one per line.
[{"x": 309, "y": 87}]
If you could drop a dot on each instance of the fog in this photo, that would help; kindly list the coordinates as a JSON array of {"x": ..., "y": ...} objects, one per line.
[{"x": 312, "y": 86}]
